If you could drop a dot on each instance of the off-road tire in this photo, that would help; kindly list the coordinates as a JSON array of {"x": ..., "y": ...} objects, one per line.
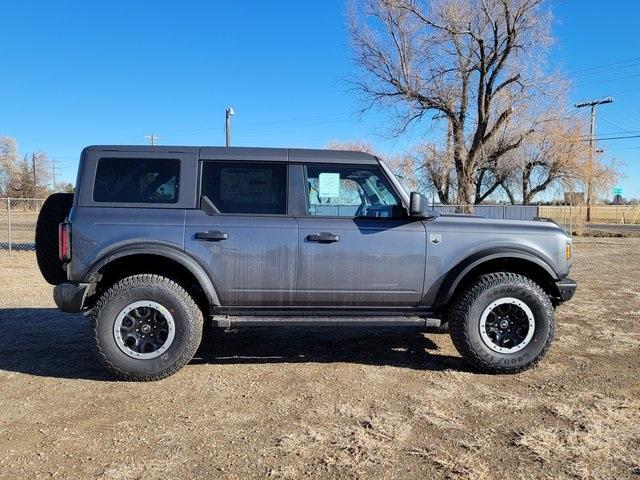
[
  {"x": 464, "y": 322},
  {"x": 53, "y": 212},
  {"x": 186, "y": 315}
]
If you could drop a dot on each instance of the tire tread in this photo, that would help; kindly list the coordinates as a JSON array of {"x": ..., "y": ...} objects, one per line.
[
  {"x": 195, "y": 316},
  {"x": 462, "y": 305}
]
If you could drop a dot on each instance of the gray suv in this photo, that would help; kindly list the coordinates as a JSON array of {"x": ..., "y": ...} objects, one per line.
[{"x": 158, "y": 242}]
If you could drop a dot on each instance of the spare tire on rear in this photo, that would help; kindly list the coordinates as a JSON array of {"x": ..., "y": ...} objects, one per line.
[{"x": 54, "y": 211}]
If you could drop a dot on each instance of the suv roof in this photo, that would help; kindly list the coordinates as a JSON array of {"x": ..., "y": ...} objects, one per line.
[{"x": 249, "y": 153}]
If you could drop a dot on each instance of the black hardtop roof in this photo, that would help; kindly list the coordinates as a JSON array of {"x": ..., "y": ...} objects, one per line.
[{"x": 247, "y": 153}]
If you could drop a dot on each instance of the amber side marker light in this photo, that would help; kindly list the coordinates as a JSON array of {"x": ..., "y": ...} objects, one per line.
[{"x": 568, "y": 251}]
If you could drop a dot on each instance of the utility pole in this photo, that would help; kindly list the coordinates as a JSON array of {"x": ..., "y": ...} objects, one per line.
[
  {"x": 53, "y": 173},
  {"x": 227, "y": 124},
  {"x": 35, "y": 177},
  {"x": 152, "y": 138},
  {"x": 592, "y": 131}
]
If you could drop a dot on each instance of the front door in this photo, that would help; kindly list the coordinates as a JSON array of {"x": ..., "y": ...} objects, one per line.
[
  {"x": 245, "y": 239},
  {"x": 358, "y": 247}
]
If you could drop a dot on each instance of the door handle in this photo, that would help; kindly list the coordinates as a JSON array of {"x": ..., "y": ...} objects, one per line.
[
  {"x": 211, "y": 236},
  {"x": 323, "y": 238}
]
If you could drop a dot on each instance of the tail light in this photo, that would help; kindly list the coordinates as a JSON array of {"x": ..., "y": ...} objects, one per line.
[{"x": 64, "y": 241}]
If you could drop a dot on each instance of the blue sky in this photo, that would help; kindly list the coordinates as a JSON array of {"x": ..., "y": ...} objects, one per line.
[{"x": 78, "y": 73}]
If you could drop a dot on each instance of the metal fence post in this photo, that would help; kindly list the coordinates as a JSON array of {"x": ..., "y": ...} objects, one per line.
[{"x": 9, "y": 223}]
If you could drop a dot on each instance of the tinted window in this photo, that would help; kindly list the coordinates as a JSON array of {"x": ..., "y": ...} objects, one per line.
[
  {"x": 244, "y": 187},
  {"x": 137, "y": 180},
  {"x": 351, "y": 191}
]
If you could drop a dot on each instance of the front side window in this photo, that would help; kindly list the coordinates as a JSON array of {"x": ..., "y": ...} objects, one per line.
[
  {"x": 246, "y": 187},
  {"x": 137, "y": 180},
  {"x": 351, "y": 191}
]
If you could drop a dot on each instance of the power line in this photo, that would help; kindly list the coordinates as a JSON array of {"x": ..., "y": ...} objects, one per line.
[
  {"x": 598, "y": 72},
  {"x": 299, "y": 121},
  {"x": 624, "y": 129},
  {"x": 625, "y": 148},
  {"x": 626, "y": 91},
  {"x": 609, "y": 80},
  {"x": 602, "y": 139},
  {"x": 605, "y": 65}
]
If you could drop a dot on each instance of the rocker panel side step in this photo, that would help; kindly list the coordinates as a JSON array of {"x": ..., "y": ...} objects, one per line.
[{"x": 229, "y": 321}]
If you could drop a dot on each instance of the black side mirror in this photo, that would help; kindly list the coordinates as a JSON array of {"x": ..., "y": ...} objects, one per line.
[{"x": 417, "y": 204}]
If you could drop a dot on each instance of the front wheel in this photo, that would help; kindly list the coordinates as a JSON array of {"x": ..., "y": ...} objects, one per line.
[
  {"x": 146, "y": 327},
  {"x": 502, "y": 323}
]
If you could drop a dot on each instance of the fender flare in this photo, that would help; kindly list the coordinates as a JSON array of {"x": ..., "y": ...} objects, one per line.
[
  {"x": 457, "y": 274},
  {"x": 171, "y": 253}
]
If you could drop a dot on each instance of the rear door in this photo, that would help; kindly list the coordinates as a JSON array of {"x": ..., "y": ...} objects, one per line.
[
  {"x": 358, "y": 247},
  {"x": 243, "y": 234}
]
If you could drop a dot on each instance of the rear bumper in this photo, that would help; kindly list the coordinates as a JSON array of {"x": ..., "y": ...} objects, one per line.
[
  {"x": 566, "y": 289},
  {"x": 69, "y": 297}
]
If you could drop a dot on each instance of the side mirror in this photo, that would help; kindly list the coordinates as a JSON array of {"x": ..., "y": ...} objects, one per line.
[{"x": 417, "y": 204}]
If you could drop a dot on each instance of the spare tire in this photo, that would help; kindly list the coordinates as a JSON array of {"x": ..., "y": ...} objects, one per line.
[{"x": 54, "y": 211}]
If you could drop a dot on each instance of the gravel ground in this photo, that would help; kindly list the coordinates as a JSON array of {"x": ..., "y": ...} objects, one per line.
[{"x": 329, "y": 403}]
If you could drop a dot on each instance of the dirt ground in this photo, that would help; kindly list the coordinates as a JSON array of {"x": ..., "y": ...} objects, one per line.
[{"x": 328, "y": 403}]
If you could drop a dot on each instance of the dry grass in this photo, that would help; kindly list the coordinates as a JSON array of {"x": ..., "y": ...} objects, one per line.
[
  {"x": 577, "y": 214},
  {"x": 23, "y": 225},
  {"x": 328, "y": 403},
  {"x": 592, "y": 434}
]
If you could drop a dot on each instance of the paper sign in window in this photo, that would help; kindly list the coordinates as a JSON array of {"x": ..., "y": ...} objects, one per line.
[{"x": 329, "y": 185}]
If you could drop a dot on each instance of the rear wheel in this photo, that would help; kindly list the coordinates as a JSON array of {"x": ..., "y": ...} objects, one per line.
[
  {"x": 53, "y": 212},
  {"x": 146, "y": 327},
  {"x": 503, "y": 323}
]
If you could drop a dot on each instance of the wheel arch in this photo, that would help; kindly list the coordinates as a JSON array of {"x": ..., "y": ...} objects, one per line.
[
  {"x": 147, "y": 258},
  {"x": 518, "y": 261}
]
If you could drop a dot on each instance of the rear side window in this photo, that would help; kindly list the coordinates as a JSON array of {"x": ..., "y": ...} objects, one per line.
[
  {"x": 246, "y": 187},
  {"x": 137, "y": 180}
]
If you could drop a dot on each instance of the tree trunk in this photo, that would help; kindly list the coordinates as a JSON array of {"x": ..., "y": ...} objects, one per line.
[
  {"x": 525, "y": 186},
  {"x": 465, "y": 192}
]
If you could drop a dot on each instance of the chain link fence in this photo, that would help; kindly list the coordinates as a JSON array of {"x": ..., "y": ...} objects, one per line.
[{"x": 18, "y": 217}]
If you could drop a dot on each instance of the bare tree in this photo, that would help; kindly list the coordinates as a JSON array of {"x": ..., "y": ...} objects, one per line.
[
  {"x": 402, "y": 167},
  {"x": 557, "y": 153},
  {"x": 432, "y": 168},
  {"x": 473, "y": 63},
  {"x": 30, "y": 177},
  {"x": 8, "y": 162},
  {"x": 67, "y": 187},
  {"x": 352, "y": 146},
  {"x": 41, "y": 167}
]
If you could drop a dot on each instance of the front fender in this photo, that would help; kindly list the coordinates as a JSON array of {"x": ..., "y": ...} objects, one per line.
[{"x": 446, "y": 286}]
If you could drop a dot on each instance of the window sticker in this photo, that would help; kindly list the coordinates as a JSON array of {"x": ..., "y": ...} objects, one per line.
[{"x": 329, "y": 185}]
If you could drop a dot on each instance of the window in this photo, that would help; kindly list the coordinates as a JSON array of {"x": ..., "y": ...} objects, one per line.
[
  {"x": 351, "y": 191},
  {"x": 244, "y": 187},
  {"x": 137, "y": 180}
]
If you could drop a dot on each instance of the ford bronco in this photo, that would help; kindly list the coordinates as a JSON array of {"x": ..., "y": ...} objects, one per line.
[{"x": 156, "y": 241}]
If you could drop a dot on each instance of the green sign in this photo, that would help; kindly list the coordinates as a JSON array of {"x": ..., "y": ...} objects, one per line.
[{"x": 617, "y": 191}]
